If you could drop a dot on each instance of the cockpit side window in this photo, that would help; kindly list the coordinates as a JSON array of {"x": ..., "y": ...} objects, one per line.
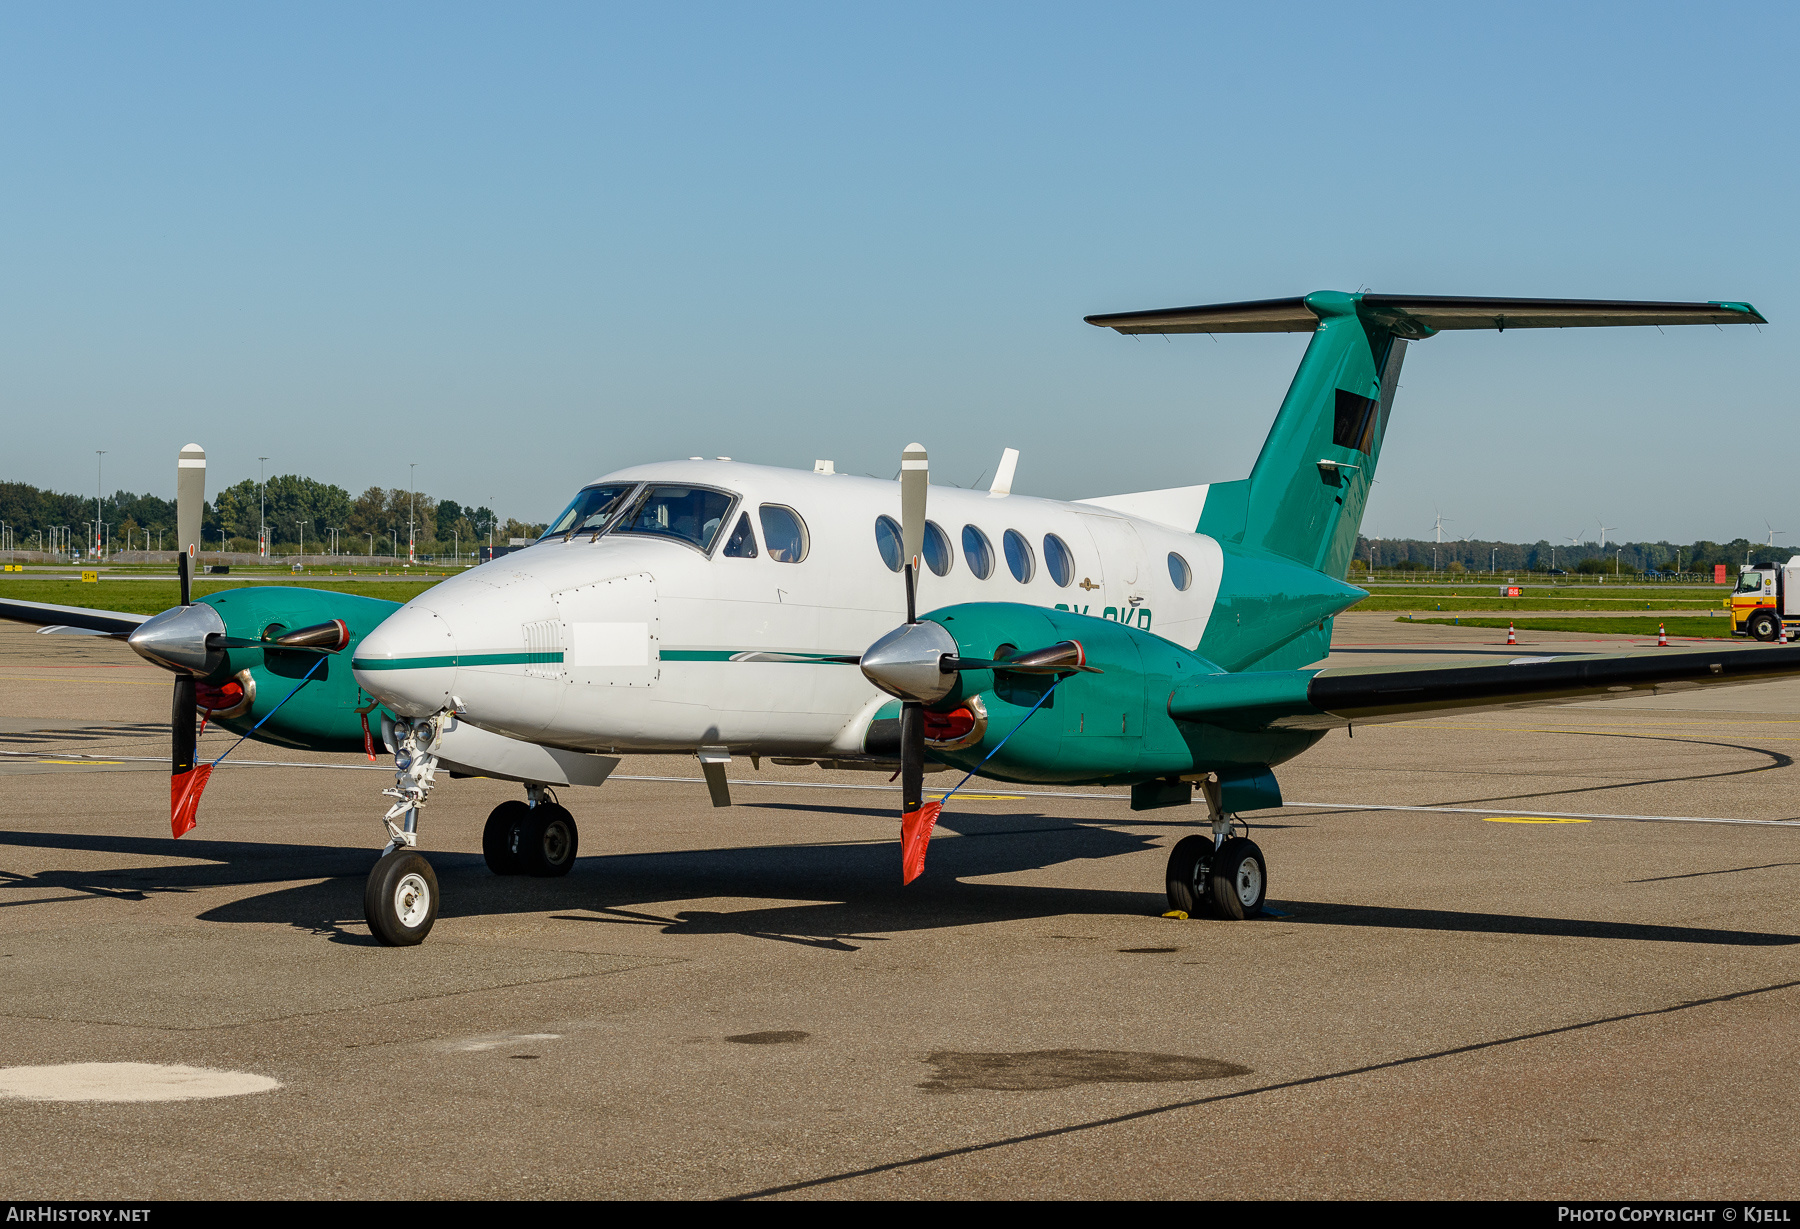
[
  {"x": 784, "y": 533},
  {"x": 592, "y": 510},
  {"x": 691, "y": 514},
  {"x": 742, "y": 543}
]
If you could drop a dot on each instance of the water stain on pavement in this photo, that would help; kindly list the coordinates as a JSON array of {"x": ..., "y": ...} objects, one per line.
[
  {"x": 781, "y": 1037},
  {"x": 1038, "y": 1070}
]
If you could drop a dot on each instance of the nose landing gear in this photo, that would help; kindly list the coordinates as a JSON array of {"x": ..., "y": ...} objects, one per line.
[
  {"x": 400, "y": 899},
  {"x": 537, "y": 837},
  {"x": 1223, "y": 876}
]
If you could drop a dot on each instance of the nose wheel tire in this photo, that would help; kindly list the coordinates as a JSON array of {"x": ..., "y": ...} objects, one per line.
[
  {"x": 1188, "y": 878},
  {"x": 546, "y": 841},
  {"x": 400, "y": 900},
  {"x": 498, "y": 843},
  {"x": 1240, "y": 879}
]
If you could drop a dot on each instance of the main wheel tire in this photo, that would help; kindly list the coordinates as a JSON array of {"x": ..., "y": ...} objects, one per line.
[
  {"x": 1188, "y": 865},
  {"x": 498, "y": 838},
  {"x": 1240, "y": 879},
  {"x": 401, "y": 898},
  {"x": 1763, "y": 625},
  {"x": 547, "y": 841}
]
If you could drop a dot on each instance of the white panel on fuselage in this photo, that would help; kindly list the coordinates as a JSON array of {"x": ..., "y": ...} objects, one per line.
[{"x": 609, "y": 632}]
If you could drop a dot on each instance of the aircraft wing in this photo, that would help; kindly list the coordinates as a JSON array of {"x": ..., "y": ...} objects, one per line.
[
  {"x": 1338, "y": 696},
  {"x": 116, "y": 623}
]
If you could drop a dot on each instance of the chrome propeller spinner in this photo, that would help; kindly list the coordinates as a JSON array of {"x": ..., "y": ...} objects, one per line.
[{"x": 185, "y": 639}]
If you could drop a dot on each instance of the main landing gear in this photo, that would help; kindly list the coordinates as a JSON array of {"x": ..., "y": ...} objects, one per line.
[
  {"x": 535, "y": 837},
  {"x": 1221, "y": 876}
]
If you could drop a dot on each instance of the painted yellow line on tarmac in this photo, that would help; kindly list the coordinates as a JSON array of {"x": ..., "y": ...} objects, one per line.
[
  {"x": 982, "y": 797},
  {"x": 81, "y": 762},
  {"x": 1533, "y": 819}
]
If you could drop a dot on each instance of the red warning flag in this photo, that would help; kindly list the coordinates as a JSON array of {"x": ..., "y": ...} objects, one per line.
[
  {"x": 915, "y": 835},
  {"x": 184, "y": 797}
]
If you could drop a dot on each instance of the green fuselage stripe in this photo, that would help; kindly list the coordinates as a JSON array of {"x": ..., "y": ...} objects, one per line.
[
  {"x": 458, "y": 659},
  {"x": 805, "y": 659}
]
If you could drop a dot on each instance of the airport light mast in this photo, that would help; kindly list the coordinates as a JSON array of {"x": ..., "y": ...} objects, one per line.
[{"x": 99, "y": 461}]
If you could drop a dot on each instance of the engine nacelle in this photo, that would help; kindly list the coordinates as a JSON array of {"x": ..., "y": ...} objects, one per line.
[{"x": 1108, "y": 728}]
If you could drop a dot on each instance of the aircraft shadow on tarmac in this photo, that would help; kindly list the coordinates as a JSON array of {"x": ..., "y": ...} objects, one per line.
[{"x": 835, "y": 896}]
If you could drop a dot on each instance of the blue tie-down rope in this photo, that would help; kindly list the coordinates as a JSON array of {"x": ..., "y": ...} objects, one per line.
[
  {"x": 284, "y": 699},
  {"x": 990, "y": 755}
]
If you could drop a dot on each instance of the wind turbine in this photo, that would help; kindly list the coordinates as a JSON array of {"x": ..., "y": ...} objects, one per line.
[
  {"x": 1437, "y": 529},
  {"x": 1604, "y": 530},
  {"x": 1772, "y": 533}
]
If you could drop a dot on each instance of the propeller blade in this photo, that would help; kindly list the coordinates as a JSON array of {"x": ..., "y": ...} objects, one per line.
[
  {"x": 186, "y": 781},
  {"x": 917, "y": 817},
  {"x": 190, "y": 504},
  {"x": 915, "y": 478}
]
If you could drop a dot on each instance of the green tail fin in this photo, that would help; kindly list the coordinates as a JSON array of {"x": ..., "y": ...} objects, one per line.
[
  {"x": 1289, "y": 529},
  {"x": 1304, "y": 499}
]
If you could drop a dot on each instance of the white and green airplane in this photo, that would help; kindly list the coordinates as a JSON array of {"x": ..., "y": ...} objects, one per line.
[{"x": 1159, "y": 640}]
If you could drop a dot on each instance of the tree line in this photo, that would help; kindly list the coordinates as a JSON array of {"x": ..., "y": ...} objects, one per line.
[
  {"x": 300, "y": 514},
  {"x": 1416, "y": 554}
]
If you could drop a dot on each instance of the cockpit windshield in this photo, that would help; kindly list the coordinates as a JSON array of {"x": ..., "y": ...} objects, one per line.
[
  {"x": 691, "y": 513},
  {"x": 592, "y": 509}
]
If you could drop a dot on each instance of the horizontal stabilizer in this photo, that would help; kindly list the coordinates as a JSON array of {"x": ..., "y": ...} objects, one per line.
[
  {"x": 99, "y": 622},
  {"x": 1334, "y": 697},
  {"x": 1419, "y": 316}
]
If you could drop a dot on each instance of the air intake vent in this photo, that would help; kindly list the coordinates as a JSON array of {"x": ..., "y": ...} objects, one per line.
[{"x": 543, "y": 649}]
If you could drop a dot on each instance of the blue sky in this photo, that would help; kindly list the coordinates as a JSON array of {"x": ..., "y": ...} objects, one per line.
[{"x": 523, "y": 245}]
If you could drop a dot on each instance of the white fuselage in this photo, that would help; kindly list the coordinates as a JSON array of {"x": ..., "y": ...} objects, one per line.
[{"x": 627, "y": 642}]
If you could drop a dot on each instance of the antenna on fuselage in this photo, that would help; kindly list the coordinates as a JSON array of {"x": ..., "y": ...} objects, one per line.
[{"x": 1003, "y": 477}]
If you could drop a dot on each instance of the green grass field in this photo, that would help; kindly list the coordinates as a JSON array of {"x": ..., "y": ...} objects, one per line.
[
  {"x": 153, "y": 597},
  {"x": 1435, "y": 601},
  {"x": 1710, "y": 629}
]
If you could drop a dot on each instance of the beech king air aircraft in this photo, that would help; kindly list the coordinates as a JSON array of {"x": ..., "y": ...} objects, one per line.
[{"x": 1159, "y": 640}]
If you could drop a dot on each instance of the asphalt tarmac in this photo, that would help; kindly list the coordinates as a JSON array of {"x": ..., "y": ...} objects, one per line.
[{"x": 739, "y": 1002}]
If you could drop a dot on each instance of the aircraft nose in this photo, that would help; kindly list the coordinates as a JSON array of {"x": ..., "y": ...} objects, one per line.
[{"x": 408, "y": 662}]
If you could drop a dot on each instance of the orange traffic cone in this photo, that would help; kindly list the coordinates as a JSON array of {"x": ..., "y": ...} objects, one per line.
[
  {"x": 1784, "y": 638},
  {"x": 1510, "y": 637},
  {"x": 1662, "y": 637}
]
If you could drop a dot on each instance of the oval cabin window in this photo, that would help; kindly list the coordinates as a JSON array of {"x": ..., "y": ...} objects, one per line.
[
  {"x": 978, "y": 552},
  {"x": 1058, "y": 560},
  {"x": 937, "y": 549},
  {"x": 1019, "y": 559},
  {"x": 887, "y": 541}
]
